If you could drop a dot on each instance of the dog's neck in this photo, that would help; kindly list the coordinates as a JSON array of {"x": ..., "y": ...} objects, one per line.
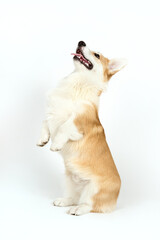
[{"x": 82, "y": 86}]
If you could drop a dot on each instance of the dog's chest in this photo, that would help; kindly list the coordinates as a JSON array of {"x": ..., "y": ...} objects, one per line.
[{"x": 60, "y": 104}]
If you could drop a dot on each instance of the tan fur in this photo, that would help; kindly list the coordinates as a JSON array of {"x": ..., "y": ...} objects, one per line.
[
  {"x": 94, "y": 160},
  {"x": 104, "y": 62}
]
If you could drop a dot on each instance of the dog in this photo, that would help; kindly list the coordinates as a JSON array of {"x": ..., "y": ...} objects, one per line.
[{"x": 72, "y": 122}]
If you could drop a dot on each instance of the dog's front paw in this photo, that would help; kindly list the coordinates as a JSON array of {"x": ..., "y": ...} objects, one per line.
[
  {"x": 42, "y": 141},
  {"x": 79, "y": 210},
  {"x": 55, "y": 147},
  {"x": 63, "y": 202}
]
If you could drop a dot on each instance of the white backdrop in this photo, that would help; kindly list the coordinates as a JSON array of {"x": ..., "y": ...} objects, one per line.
[{"x": 36, "y": 39}]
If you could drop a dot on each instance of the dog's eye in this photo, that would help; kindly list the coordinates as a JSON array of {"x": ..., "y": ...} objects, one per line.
[{"x": 97, "y": 55}]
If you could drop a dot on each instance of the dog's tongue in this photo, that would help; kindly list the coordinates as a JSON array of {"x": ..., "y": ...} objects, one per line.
[
  {"x": 76, "y": 54},
  {"x": 79, "y": 55}
]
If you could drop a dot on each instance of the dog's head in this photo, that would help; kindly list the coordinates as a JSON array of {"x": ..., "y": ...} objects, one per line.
[{"x": 96, "y": 63}]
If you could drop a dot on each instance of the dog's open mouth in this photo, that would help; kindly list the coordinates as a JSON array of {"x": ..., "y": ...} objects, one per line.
[{"x": 80, "y": 57}]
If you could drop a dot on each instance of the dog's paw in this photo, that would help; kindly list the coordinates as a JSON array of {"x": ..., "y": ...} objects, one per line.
[
  {"x": 42, "y": 142},
  {"x": 55, "y": 147},
  {"x": 63, "y": 202},
  {"x": 79, "y": 210}
]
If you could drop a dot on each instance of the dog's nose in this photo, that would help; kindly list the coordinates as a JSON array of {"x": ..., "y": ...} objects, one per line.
[{"x": 81, "y": 44}]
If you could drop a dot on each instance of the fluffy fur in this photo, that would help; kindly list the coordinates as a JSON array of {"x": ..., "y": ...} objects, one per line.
[{"x": 72, "y": 123}]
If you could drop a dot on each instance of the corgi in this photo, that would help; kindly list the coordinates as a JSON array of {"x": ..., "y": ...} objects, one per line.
[{"x": 72, "y": 123}]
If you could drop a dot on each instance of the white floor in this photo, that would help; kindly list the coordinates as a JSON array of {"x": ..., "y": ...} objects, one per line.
[{"x": 26, "y": 210}]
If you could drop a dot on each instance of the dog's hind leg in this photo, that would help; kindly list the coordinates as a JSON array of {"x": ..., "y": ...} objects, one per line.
[
  {"x": 85, "y": 201},
  {"x": 71, "y": 195}
]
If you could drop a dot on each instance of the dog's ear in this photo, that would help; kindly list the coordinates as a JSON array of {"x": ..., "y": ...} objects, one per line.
[{"x": 115, "y": 65}]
